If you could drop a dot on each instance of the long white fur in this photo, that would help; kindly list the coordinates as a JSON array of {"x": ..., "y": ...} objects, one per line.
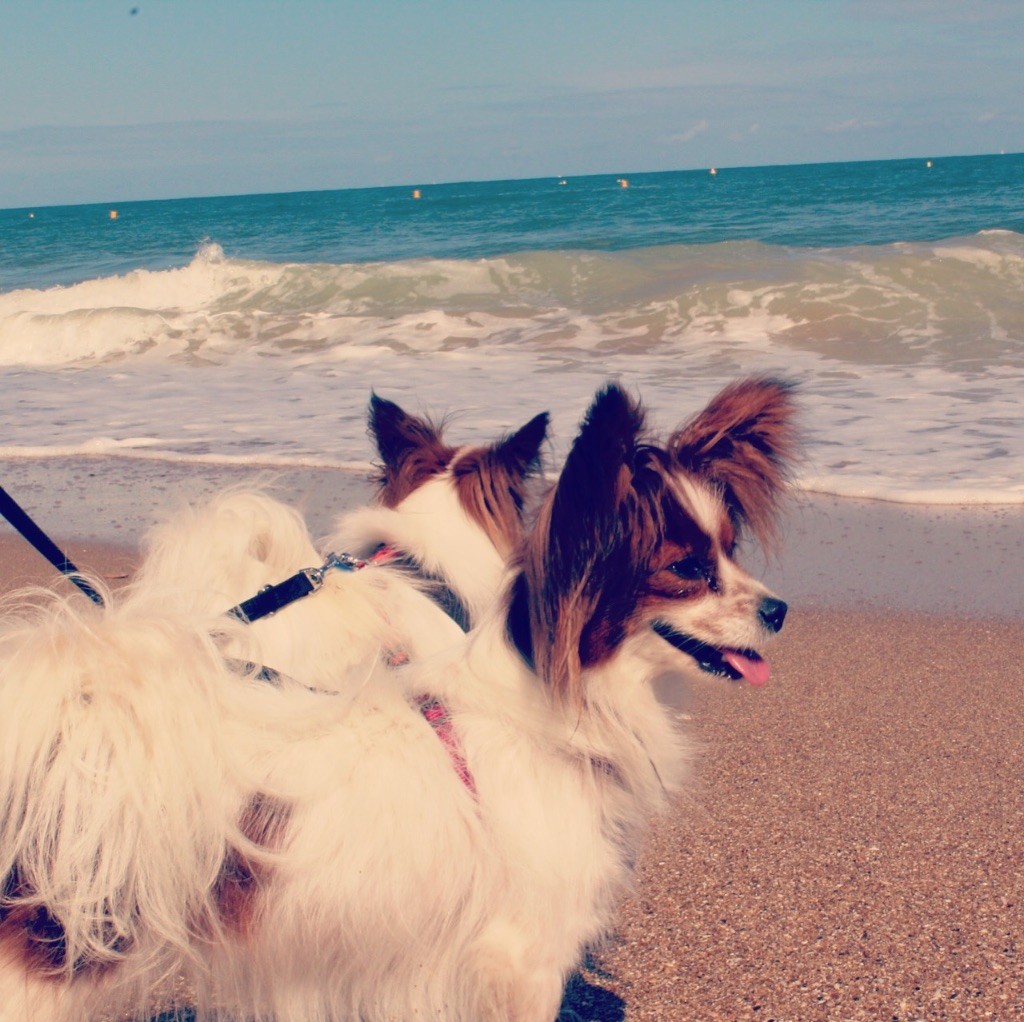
[
  {"x": 127, "y": 749},
  {"x": 211, "y": 557},
  {"x": 208, "y": 558},
  {"x": 442, "y": 905},
  {"x": 399, "y": 895}
]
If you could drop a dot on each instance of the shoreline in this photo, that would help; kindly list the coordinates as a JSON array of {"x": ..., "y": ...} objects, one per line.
[
  {"x": 851, "y": 846},
  {"x": 835, "y": 552}
]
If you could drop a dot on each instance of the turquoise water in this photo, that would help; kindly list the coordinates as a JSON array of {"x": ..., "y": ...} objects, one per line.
[
  {"x": 251, "y": 329},
  {"x": 833, "y": 205}
]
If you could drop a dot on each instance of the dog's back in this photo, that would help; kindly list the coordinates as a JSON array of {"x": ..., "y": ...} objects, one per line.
[{"x": 446, "y": 517}]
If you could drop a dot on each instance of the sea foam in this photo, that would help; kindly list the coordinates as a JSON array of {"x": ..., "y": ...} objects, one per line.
[{"x": 909, "y": 354}]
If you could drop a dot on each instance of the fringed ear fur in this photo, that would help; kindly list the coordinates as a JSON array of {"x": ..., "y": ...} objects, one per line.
[
  {"x": 492, "y": 482},
  {"x": 411, "y": 449},
  {"x": 578, "y": 543},
  {"x": 395, "y": 432},
  {"x": 520, "y": 451},
  {"x": 744, "y": 443}
]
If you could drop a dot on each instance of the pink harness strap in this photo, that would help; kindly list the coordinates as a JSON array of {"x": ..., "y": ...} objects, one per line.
[
  {"x": 384, "y": 554},
  {"x": 436, "y": 714}
]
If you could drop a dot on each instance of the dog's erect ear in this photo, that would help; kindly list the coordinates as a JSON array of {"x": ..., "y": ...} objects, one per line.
[
  {"x": 594, "y": 481},
  {"x": 395, "y": 432},
  {"x": 493, "y": 483},
  {"x": 520, "y": 451},
  {"x": 410, "y": 448},
  {"x": 577, "y": 565},
  {"x": 600, "y": 462},
  {"x": 744, "y": 443}
]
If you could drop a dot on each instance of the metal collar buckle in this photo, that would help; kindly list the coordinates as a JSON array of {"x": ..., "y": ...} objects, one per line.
[
  {"x": 343, "y": 562},
  {"x": 340, "y": 562},
  {"x": 270, "y": 599}
]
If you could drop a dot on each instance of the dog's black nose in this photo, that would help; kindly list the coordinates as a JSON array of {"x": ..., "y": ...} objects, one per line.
[{"x": 772, "y": 613}]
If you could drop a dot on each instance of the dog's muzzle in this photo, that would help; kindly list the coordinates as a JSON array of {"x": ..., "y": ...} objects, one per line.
[{"x": 735, "y": 664}]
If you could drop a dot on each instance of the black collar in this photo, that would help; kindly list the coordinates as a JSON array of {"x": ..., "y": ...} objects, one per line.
[{"x": 438, "y": 589}]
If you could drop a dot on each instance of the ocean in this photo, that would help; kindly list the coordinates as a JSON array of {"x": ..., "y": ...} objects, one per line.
[{"x": 251, "y": 330}]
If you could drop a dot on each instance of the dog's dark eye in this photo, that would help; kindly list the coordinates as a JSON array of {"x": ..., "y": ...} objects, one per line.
[{"x": 691, "y": 568}]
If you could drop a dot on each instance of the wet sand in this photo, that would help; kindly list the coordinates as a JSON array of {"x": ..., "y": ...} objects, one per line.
[{"x": 853, "y": 846}]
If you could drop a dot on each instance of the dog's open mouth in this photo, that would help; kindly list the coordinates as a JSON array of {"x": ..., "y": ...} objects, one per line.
[{"x": 728, "y": 663}]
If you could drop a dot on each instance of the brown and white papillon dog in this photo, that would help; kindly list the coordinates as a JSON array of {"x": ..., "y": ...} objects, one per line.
[
  {"x": 434, "y": 544},
  {"x": 293, "y": 856}
]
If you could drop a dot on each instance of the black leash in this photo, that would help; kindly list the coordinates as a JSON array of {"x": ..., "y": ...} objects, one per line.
[
  {"x": 270, "y": 599},
  {"x": 21, "y": 521}
]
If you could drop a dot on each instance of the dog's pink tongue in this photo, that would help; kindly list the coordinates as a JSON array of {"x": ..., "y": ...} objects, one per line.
[{"x": 757, "y": 672}]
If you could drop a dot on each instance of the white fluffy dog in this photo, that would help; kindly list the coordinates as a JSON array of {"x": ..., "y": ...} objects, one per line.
[
  {"x": 447, "y": 519},
  {"x": 445, "y": 846}
]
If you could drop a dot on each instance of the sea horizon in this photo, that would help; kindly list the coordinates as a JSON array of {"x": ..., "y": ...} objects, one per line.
[{"x": 582, "y": 175}]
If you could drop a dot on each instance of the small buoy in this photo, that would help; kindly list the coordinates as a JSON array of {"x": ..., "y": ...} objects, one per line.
[
  {"x": 929, "y": 163},
  {"x": 416, "y": 193},
  {"x": 713, "y": 171},
  {"x": 31, "y": 216},
  {"x": 113, "y": 214}
]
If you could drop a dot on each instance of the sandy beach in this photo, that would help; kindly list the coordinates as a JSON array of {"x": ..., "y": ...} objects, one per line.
[{"x": 853, "y": 847}]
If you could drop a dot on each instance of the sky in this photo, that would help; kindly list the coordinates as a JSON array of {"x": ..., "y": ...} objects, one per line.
[{"x": 138, "y": 99}]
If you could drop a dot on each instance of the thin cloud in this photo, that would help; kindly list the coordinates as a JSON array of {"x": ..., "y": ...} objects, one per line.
[
  {"x": 691, "y": 132},
  {"x": 852, "y": 124},
  {"x": 743, "y": 134}
]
